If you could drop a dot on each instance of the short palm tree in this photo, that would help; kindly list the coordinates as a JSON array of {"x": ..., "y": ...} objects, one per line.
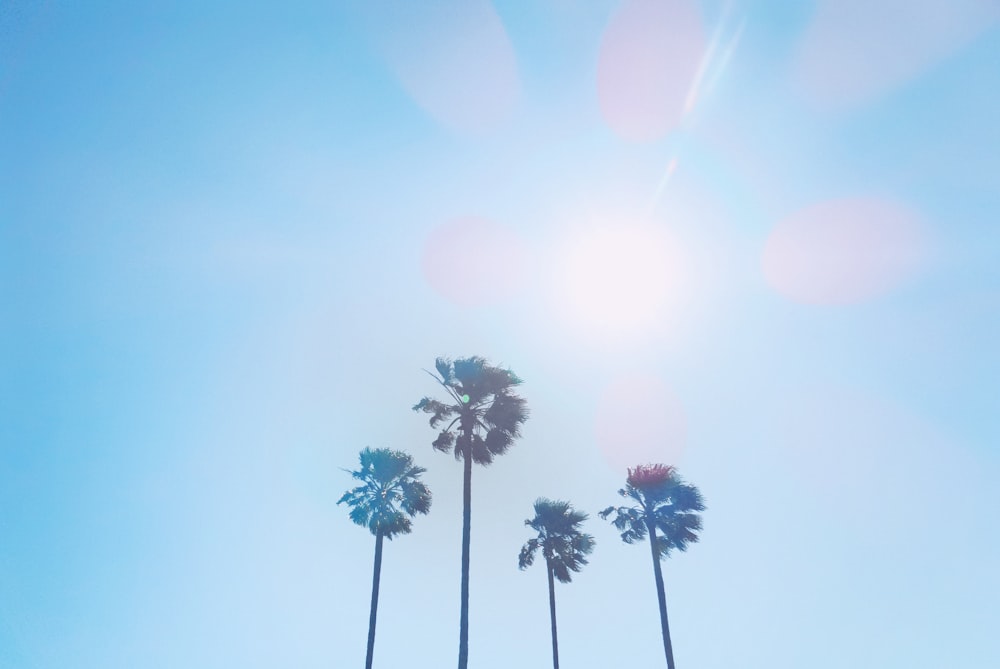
[
  {"x": 564, "y": 547},
  {"x": 389, "y": 495},
  {"x": 480, "y": 419},
  {"x": 666, "y": 509}
]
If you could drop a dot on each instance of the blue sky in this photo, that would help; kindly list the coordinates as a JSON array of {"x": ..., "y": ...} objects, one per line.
[{"x": 758, "y": 242}]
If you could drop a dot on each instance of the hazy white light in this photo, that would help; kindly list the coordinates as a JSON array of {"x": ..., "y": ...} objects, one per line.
[{"x": 619, "y": 278}]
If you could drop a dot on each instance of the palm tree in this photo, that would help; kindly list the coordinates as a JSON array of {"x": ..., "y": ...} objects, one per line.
[
  {"x": 564, "y": 547},
  {"x": 389, "y": 495},
  {"x": 664, "y": 503},
  {"x": 481, "y": 419}
]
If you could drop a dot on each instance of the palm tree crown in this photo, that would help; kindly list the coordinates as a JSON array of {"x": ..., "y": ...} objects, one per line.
[
  {"x": 487, "y": 413},
  {"x": 390, "y": 492},
  {"x": 484, "y": 408},
  {"x": 666, "y": 509},
  {"x": 664, "y": 502},
  {"x": 563, "y": 545}
]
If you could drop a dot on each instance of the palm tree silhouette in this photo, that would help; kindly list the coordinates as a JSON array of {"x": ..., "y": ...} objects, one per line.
[
  {"x": 664, "y": 503},
  {"x": 389, "y": 495},
  {"x": 486, "y": 416},
  {"x": 564, "y": 547}
]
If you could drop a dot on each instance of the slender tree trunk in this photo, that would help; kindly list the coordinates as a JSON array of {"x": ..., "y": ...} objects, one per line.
[
  {"x": 668, "y": 649},
  {"x": 552, "y": 614},
  {"x": 376, "y": 576},
  {"x": 463, "y": 631}
]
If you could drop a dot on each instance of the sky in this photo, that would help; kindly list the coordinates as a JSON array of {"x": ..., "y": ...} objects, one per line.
[{"x": 753, "y": 240}]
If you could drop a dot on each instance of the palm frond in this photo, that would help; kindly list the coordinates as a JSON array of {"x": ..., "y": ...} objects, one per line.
[
  {"x": 560, "y": 571},
  {"x": 583, "y": 544},
  {"x": 444, "y": 441},
  {"x": 648, "y": 476},
  {"x": 415, "y": 497},
  {"x": 481, "y": 453},
  {"x": 634, "y": 534},
  {"x": 497, "y": 441},
  {"x": 443, "y": 366},
  {"x": 438, "y": 410},
  {"x": 686, "y": 497},
  {"x": 360, "y": 515},
  {"x": 463, "y": 445},
  {"x": 507, "y": 413},
  {"x": 527, "y": 555}
]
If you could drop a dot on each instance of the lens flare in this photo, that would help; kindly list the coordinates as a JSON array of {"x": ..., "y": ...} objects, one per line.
[
  {"x": 473, "y": 261},
  {"x": 649, "y": 57},
  {"x": 843, "y": 251},
  {"x": 455, "y": 60},
  {"x": 855, "y": 50}
]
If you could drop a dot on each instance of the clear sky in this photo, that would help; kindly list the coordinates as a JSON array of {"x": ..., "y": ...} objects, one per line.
[{"x": 755, "y": 240}]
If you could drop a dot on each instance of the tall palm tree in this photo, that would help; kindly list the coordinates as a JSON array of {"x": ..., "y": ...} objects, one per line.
[
  {"x": 664, "y": 503},
  {"x": 481, "y": 418},
  {"x": 389, "y": 495},
  {"x": 564, "y": 547}
]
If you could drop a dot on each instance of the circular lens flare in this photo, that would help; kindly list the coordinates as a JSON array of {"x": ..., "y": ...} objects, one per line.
[
  {"x": 855, "y": 50},
  {"x": 648, "y": 62},
  {"x": 843, "y": 251},
  {"x": 455, "y": 59},
  {"x": 473, "y": 261}
]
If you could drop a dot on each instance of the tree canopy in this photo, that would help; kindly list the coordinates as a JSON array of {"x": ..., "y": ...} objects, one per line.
[
  {"x": 662, "y": 500},
  {"x": 482, "y": 404},
  {"x": 564, "y": 546},
  {"x": 390, "y": 492}
]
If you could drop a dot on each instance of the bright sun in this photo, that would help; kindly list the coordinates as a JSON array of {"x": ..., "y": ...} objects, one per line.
[{"x": 619, "y": 279}]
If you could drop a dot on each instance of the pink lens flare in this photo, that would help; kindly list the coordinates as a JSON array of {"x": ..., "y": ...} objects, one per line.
[
  {"x": 455, "y": 60},
  {"x": 649, "y": 58},
  {"x": 855, "y": 50},
  {"x": 844, "y": 251},
  {"x": 473, "y": 261},
  {"x": 640, "y": 420}
]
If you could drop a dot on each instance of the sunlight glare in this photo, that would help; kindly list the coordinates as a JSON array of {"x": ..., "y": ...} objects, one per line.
[{"x": 619, "y": 279}]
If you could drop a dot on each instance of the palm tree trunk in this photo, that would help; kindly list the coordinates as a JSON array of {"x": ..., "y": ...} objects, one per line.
[
  {"x": 552, "y": 614},
  {"x": 664, "y": 625},
  {"x": 376, "y": 576},
  {"x": 463, "y": 631}
]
